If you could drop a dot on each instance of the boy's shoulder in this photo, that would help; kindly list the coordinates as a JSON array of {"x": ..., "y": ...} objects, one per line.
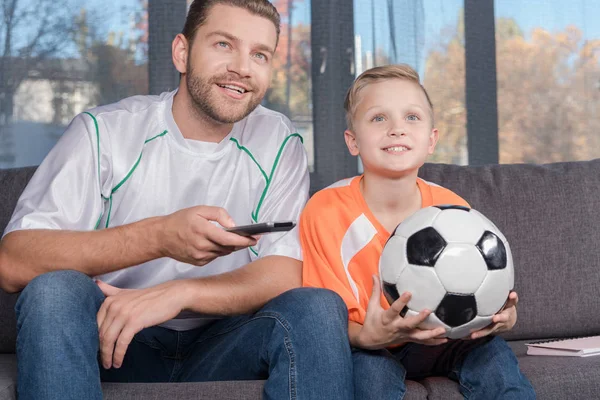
[
  {"x": 332, "y": 201},
  {"x": 438, "y": 195}
]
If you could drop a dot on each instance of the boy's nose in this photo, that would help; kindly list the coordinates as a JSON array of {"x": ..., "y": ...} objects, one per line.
[{"x": 397, "y": 132}]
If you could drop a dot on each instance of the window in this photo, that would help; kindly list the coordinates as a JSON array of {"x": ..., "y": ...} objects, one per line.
[
  {"x": 62, "y": 57},
  {"x": 291, "y": 88},
  {"x": 548, "y": 80},
  {"x": 429, "y": 36}
]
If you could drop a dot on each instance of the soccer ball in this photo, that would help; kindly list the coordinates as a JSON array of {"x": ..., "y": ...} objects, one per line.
[{"x": 455, "y": 262}]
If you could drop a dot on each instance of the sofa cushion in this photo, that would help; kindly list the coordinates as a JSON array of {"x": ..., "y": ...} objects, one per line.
[
  {"x": 559, "y": 378},
  {"x": 550, "y": 216},
  {"x": 229, "y": 390},
  {"x": 12, "y": 183}
]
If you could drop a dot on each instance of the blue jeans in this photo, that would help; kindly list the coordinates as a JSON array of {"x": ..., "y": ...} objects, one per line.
[
  {"x": 298, "y": 342},
  {"x": 485, "y": 369}
]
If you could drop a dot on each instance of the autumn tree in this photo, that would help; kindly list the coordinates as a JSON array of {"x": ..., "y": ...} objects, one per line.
[
  {"x": 117, "y": 60},
  {"x": 548, "y": 94},
  {"x": 290, "y": 91}
]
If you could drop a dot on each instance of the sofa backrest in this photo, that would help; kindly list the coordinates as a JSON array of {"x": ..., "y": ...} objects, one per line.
[
  {"x": 550, "y": 215},
  {"x": 12, "y": 183}
]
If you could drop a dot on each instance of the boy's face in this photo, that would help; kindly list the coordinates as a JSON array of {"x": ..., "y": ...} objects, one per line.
[
  {"x": 393, "y": 130},
  {"x": 228, "y": 68}
]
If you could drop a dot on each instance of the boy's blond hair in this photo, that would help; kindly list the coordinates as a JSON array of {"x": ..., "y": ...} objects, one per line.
[{"x": 379, "y": 74}]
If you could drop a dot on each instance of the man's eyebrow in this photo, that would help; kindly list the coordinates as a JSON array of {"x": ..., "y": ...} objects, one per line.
[{"x": 233, "y": 38}]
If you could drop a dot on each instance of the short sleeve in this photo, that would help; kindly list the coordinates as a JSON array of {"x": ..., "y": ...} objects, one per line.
[
  {"x": 321, "y": 246},
  {"x": 284, "y": 198},
  {"x": 65, "y": 191}
]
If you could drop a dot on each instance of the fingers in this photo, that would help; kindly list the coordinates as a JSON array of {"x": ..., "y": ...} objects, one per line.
[
  {"x": 393, "y": 313},
  {"x": 222, "y": 238},
  {"x": 122, "y": 344},
  {"x": 375, "y": 293},
  {"x": 108, "y": 334},
  {"x": 217, "y": 214},
  {"x": 107, "y": 289}
]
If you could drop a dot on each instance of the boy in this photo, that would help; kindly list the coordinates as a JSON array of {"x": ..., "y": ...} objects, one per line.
[{"x": 343, "y": 230}]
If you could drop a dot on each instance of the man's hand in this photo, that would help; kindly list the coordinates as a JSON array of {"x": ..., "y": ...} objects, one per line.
[
  {"x": 189, "y": 236},
  {"x": 125, "y": 312},
  {"x": 386, "y": 327},
  {"x": 503, "y": 321}
]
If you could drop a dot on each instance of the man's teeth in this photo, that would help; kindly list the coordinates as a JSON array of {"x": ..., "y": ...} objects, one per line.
[
  {"x": 396, "y": 148},
  {"x": 233, "y": 87}
]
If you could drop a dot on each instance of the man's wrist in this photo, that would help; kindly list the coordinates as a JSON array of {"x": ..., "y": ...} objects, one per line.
[{"x": 152, "y": 229}]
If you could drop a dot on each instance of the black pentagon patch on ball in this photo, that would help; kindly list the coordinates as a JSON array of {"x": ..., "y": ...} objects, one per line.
[
  {"x": 424, "y": 247},
  {"x": 452, "y": 207},
  {"x": 456, "y": 309},
  {"x": 493, "y": 251},
  {"x": 390, "y": 291}
]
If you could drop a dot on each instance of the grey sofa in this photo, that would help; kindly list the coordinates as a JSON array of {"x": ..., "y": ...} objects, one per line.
[{"x": 550, "y": 215}]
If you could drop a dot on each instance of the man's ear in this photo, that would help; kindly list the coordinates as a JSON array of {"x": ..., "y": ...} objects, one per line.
[
  {"x": 433, "y": 139},
  {"x": 180, "y": 51},
  {"x": 351, "y": 142}
]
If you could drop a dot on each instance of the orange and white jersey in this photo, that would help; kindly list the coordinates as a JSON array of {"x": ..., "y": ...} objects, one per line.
[{"x": 342, "y": 240}]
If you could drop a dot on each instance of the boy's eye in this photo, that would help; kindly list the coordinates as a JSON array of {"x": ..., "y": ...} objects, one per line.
[
  {"x": 412, "y": 117},
  {"x": 378, "y": 118}
]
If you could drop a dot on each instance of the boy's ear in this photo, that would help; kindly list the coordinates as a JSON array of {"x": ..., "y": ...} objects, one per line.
[
  {"x": 351, "y": 142},
  {"x": 179, "y": 53},
  {"x": 433, "y": 139}
]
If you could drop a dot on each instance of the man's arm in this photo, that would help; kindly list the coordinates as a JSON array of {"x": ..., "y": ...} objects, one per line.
[
  {"x": 243, "y": 290},
  {"x": 187, "y": 236},
  {"x": 26, "y": 254}
]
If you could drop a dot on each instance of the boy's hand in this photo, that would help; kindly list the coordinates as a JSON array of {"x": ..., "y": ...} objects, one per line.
[
  {"x": 503, "y": 321},
  {"x": 386, "y": 327}
]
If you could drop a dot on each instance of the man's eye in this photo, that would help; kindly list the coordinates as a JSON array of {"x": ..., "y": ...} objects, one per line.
[
  {"x": 223, "y": 44},
  {"x": 261, "y": 56}
]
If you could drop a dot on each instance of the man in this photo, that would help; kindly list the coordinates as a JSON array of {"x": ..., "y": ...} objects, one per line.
[{"x": 137, "y": 194}]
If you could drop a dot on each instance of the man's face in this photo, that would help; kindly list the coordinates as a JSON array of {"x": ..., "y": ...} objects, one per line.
[{"x": 229, "y": 63}]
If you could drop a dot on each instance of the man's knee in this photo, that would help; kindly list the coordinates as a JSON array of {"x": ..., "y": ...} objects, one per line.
[
  {"x": 312, "y": 305},
  {"x": 60, "y": 292}
]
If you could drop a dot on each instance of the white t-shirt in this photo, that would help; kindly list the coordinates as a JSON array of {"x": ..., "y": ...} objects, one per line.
[{"x": 128, "y": 161}]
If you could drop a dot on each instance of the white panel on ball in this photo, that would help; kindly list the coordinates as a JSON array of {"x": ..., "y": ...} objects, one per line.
[
  {"x": 393, "y": 259},
  {"x": 461, "y": 268},
  {"x": 422, "y": 282},
  {"x": 431, "y": 322},
  {"x": 459, "y": 226},
  {"x": 465, "y": 330},
  {"x": 420, "y": 220},
  {"x": 489, "y": 225},
  {"x": 493, "y": 292}
]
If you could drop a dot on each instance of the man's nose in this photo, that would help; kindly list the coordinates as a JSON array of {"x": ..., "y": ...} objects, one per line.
[{"x": 240, "y": 64}]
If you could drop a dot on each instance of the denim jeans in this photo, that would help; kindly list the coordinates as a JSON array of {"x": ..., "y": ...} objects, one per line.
[
  {"x": 298, "y": 342},
  {"x": 485, "y": 369}
]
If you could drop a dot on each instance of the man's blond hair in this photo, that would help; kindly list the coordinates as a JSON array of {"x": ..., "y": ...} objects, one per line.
[{"x": 375, "y": 75}]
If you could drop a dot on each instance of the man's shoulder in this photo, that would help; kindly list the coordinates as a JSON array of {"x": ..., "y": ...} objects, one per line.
[
  {"x": 134, "y": 105},
  {"x": 268, "y": 135},
  {"x": 265, "y": 124}
]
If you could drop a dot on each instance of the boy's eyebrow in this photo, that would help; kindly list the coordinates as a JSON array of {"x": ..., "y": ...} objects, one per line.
[
  {"x": 380, "y": 106},
  {"x": 233, "y": 38}
]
